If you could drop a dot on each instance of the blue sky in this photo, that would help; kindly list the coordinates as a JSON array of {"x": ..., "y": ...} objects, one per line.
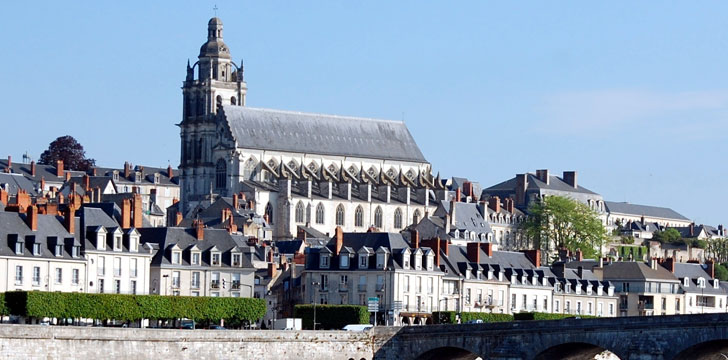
[{"x": 631, "y": 95}]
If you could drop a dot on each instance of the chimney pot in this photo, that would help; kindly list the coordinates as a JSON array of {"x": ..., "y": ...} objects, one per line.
[
  {"x": 415, "y": 235},
  {"x": 473, "y": 250},
  {"x": 32, "y": 168},
  {"x": 178, "y": 219},
  {"x": 69, "y": 219},
  {"x": 494, "y": 203},
  {"x": 138, "y": 214},
  {"x": 59, "y": 168},
  {"x": 570, "y": 178},
  {"x": 339, "y": 240},
  {"x": 10, "y": 162},
  {"x": 125, "y": 214},
  {"x": 31, "y": 216},
  {"x": 199, "y": 230}
]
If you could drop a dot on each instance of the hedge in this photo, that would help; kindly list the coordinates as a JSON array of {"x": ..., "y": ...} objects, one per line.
[
  {"x": 3, "y": 308},
  {"x": 130, "y": 307},
  {"x": 331, "y": 316},
  {"x": 450, "y": 317},
  {"x": 548, "y": 316}
]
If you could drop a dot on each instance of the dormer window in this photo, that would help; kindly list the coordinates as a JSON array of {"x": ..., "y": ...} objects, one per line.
[
  {"x": 535, "y": 280},
  {"x": 59, "y": 250},
  {"x": 115, "y": 175},
  {"x": 600, "y": 290},
  {"x": 195, "y": 258},
  {"x": 479, "y": 274},
  {"x": 513, "y": 279},
  {"x": 237, "y": 259},
  {"x": 133, "y": 243},
  {"x": 715, "y": 283},
  {"x": 467, "y": 274},
  {"x": 324, "y": 261},
  {"x": 686, "y": 282},
  {"x": 418, "y": 262},
  {"x": 363, "y": 261},
  {"x": 557, "y": 287},
  {"x": 406, "y": 261},
  {"x": 215, "y": 259},
  {"x": 500, "y": 276},
  {"x": 156, "y": 178},
  {"x": 117, "y": 242},
  {"x": 490, "y": 274},
  {"x": 430, "y": 262},
  {"x": 701, "y": 283},
  {"x": 381, "y": 260},
  {"x": 610, "y": 291},
  {"x": 137, "y": 177},
  {"x": 344, "y": 261},
  {"x": 76, "y": 251},
  {"x": 567, "y": 288},
  {"x": 36, "y": 249},
  {"x": 101, "y": 240},
  {"x": 19, "y": 247},
  {"x": 176, "y": 257},
  {"x": 457, "y": 234},
  {"x": 589, "y": 290},
  {"x": 578, "y": 289}
]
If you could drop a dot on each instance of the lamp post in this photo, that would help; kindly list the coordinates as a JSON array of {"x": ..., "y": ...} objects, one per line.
[{"x": 314, "y": 284}]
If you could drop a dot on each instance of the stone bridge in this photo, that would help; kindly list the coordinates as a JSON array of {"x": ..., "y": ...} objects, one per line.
[{"x": 643, "y": 338}]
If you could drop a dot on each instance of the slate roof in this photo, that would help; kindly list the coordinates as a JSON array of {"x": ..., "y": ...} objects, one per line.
[
  {"x": 646, "y": 210},
  {"x": 47, "y": 172},
  {"x": 393, "y": 242},
  {"x": 467, "y": 216},
  {"x": 632, "y": 270},
  {"x": 555, "y": 183},
  {"x": 693, "y": 272},
  {"x": 167, "y": 237},
  {"x": 298, "y": 132},
  {"x": 50, "y": 229},
  {"x": 14, "y": 182}
]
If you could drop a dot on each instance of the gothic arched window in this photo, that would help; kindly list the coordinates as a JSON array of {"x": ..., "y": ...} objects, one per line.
[
  {"x": 299, "y": 212},
  {"x": 340, "y": 215},
  {"x": 378, "y": 217},
  {"x": 359, "y": 216},
  {"x": 320, "y": 213},
  {"x": 220, "y": 174},
  {"x": 416, "y": 217},
  {"x": 269, "y": 213},
  {"x": 397, "y": 218}
]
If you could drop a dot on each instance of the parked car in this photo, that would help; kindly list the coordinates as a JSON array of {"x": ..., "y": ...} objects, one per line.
[
  {"x": 474, "y": 321},
  {"x": 216, "y": 327}
]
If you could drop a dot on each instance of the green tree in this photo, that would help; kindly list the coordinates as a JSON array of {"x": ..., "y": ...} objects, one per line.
[
  {"x": 668, "y": 236},
  {"x": 721, "y": 272},
  {"x": 66, "y": 148},
  {"x": 563, "y": 222}
]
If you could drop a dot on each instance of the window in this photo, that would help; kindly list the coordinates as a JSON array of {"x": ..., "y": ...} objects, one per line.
[
  {"x": 175, "y": 279},
  {"x": 117, "y": 243},
  {"x": 344, "y": 261},
  {"x": 363, "y": 261},
  {"x": 419, "y": 285},
  {"x": 525, "y": 301},
  {"x": 75, "y": 251},
  {"x": 18, "y": 275},
  {"x": 195, "y": 258},
  {"x": 101, "y": 286},
  {"x": 195, "y": 293},
  {"x": 236, "y": 281},
  {"x": 117, "y": 266},
  {"x": 677, "y": 304},
  {"x": 195, "y": 280},
  {"x": 378, "y": 217},
  {"x": 102, "y": 265},
  {"x": 589, "y": 308},
  {"x": 611, "y": 309},
  {"x": 75, "y": 274},
  {"x": 416, "y": 217},
  {"x": 324, "y": 261},
  {"x": 701, "y": 282},
  {"x": 359, "y": 216},
  {"x": 320, "y": 213},
  {"x": 133, "y": 287},
  {"x": 344, "y": 280},
  {"x": 19, "y": 248},
  {"x": 324, "y": 282},
  {"x": 176, "y": 257},
  {"x": 59, "y": 276},
  {"x": 557, "y": 306},
  {"x": 59, "y": 250},
  {"x": 430, "y": 285},
  {"x": 340, "y": 215},
  {"x": 513, "y": 301},
  {"x": 397, "y": 218},
  {"x": 546, "y": 304},
  {"x": 406, "y": 283},
  {"x": 117, "y": 286},
  {"x": 36, "y": 249},
  {"x": 237, "y": 260},
  {"x": 299, "y": 212},
  {"x": 220, "y": 174},
  {"x": 381, "y": 260},
  {"x": 133, "y": 267},
  {"x": 36, "y": 276},
  {"x": 269, "y": 213},
  {"x": 215, "y": 259}
]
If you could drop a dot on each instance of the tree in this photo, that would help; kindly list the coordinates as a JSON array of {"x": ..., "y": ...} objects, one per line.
[
  {"x": 721, "y": 272},
  {"x": 668, "y": 236},
  {"x": 66, "y": 148},
  {"x": 562, "y": 222}
]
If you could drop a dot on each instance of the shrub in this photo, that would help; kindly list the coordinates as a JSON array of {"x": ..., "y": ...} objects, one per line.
[
  {"x": 331, "y": 316},
  {"x": 547, "y": 316},
  {"x": 450, "y": 317},
  {"x": 130, "y": 307}
]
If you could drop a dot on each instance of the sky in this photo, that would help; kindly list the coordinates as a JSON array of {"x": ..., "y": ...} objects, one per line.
[{"x": 631, "y": 95}]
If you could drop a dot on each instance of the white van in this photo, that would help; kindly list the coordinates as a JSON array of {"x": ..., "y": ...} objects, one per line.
[{"x": 357, "y": 327}]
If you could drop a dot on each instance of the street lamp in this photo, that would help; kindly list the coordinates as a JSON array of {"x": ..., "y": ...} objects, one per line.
[{"x": 314, "y": 284}]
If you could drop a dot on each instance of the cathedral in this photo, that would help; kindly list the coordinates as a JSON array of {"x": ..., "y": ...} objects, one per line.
[{"x": 296, "y": 170}]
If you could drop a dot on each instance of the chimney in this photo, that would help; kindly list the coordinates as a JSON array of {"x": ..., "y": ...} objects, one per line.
[
  {"x": 653, "y": 263},
  {"x": 31, "y": 217},
  {"x": 669, "y": 264},
  {"x": 494, "y": 203},
  {"x": 720, "y": 230},
  {"x": 42, "y": 183},
  {"x": 127, "y": 169},
  {"x": 570, "y": 178},
  {"x": 482, "y": 209},
  {"x": 86, "y": 182},
  {"x": 445, "y": 246},
  {"x": 199, "y": 230},
  {"x": 170, "y": 173},
  {"x": 339, "y": 240},
  {"x": 415, "y": 239},
  {"x": 178, "y": 219},
  {"x": 3, "y": 196},
  {"x": 69, "y": 221},
  {"x": 22, "y": 198},
  {"x": 692, "y": 229},
  {"x": 32, "y": 168},
  {"x": 473, "y": 249},
  {"x": 125, "y": 214},
  {"x": 235, "y": 202},
  {"x": 543, "y": 175},
  {"x": 452, "y": 213},
  {"x": 10, "y": 162},
  {"x": 231, "y": 227},
  {"x": 137, "y": 203},
  {"x": 521, "y": 186},
  {"x": 224, "y": 215},
  {"x": 68, "y": 175},
  {"x": 487, "y": 248},
  {"x": 433, "y": 244},
  {"x": 301, "y": 234},
  {"x": 579, "y": 255},
  {"x": 710, "y": 268},
  {"x": 458, "y": 195},
  {"x": 271, "y": 269},
  {"x": 94, "y": 172},
  {"x": 509, "y": 205},
  {"x": 59, "y": 168},
  {"x": 534, "y": 256}
]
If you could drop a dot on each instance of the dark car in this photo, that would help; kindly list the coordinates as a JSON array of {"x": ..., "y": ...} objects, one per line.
[{"x": 216, "y": 327}]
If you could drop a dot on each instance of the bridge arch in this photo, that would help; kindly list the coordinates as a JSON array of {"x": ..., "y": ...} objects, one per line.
[
  {"x": 573, "y": 351},
  {"x": 712, "y": 349},
  {"x": 448, "y": 353}
]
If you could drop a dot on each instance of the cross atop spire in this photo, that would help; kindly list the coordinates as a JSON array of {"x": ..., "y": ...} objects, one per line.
[{"x": 215, "y": 10}]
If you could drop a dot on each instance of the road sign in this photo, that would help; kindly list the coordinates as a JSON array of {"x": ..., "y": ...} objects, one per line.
[
  {"x": 397, "y": 305},
  {"x": 373, "y": 304}
]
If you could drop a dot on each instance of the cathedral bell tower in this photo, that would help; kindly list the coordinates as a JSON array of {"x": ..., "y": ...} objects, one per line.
[{"x": 219, "y": 82}]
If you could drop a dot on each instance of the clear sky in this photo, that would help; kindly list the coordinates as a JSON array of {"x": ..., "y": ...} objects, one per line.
[{"x": 632, "y": 95}]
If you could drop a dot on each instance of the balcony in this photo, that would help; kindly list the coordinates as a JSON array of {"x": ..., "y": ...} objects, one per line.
[
  {"x": 215, "y": 284},
  {"x": 236, "y": 285},
  {"x": 645, "y": 306},
  {"x": 362, "y": 287}
]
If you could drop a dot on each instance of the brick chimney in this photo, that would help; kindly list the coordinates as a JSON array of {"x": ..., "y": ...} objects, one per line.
[
  {"x": 272, "y": 269},
  {"x": 570, "y": 178},
  {"x": 32, "y": 168},
  {"x": 199, "y": 230},
  {"x": 3, "y": 196},
  {"x": 94, "y": 171},
  {"x": 127, "y": 169},
  {"x": 59, "y": 168},
  {"x": 433, "y": 244},
  {"x": 458, "y": 195},
  {"x": 224, "y": 215},
  {"x": 668, "y": 264},
  {"x": 10, "y": 162},
  {"x": 170, "y": 173},
  {"x": 339, "y": 240},
  {"x": 86, "y": 182},
  {"x": 494, "y": 203},
  {"x": 579, "y": 255},
  {"x": 178, "y": 218},
  {"x": 710, "y": 268},
  {"x": 510, "y": 207},
  {"x": 543, "y": 175},
  {"x": 415, "y": 239},
  {"x": 231, "y": 227},
  {"x": 138, "y": 214},
  {"x": 473, "y": 249},
  {"x": 487, "y": 248},
  {"x": 22, "y": 198},
  {"x": 235, "y": 202},
  {"x": 445, "y": 246},
  {"x": 692, "y": 229},
  {"x": 42, "y": 183},
  {"x": 69, "y": 221},
  {"x": 534, "y": 256},
  {"x": 521, "y": 186},
  {"x": 125, "y": 214},
  {"x": 31, "y": 217}
]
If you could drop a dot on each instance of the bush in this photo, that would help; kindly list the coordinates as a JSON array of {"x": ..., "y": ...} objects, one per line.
[
  {"x": 547, "y": 316},
  {"x": 130, "y": 307},
  {"x": 450, "y": 317},
  {"x": 331, "y": 316}
]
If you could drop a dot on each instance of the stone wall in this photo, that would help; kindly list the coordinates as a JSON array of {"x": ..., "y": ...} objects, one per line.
[{"x": 63, "y": 342}]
